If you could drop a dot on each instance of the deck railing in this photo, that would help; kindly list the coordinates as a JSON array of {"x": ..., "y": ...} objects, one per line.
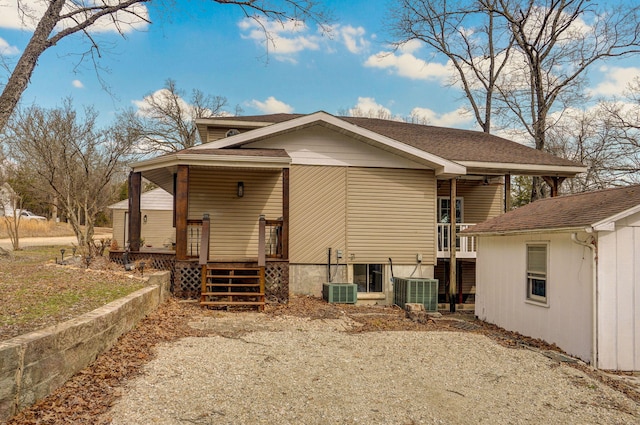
[
  {"x": 273, "y": 241},
  {"x": 194, "y": 238},
  {"x": 465, "y": 245},
  {"x": 273, "y": 238}
]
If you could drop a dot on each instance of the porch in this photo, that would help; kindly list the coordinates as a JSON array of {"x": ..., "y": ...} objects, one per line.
[
  {"x": 244, "y": 282},
  {"x": 465, "y": 248}
]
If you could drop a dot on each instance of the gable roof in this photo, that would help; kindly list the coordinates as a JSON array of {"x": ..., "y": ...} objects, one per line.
[
  {"x": 442, "y": 166},
  {"x": 155, "y": 199},
  {"x": 478, "y": 152},
  {"x": 595, "y": 210}
]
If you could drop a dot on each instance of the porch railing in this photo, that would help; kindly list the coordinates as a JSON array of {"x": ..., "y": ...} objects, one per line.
[
  {"x": 273, "y": 238},
  {"x": 194, "y": 238},
  {"x": 464, "y": 245}
]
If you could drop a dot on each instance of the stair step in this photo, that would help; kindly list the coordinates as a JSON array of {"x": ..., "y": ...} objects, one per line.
[
  {"x": 234, "y": 294},
  {"x": 236, "y": 276},
  {"x": 233, "y": 285},
  {"x": 223, "y": 303},
  {"x": 234, "y": 268}
]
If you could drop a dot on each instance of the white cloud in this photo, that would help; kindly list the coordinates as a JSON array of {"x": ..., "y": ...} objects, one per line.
[
  {"x": 271, "y": 106},
  {"x": 286, "y": 39},
  {"x": 459, "y": 118},
  {"x": 283, "y": 38},
  {"x": 353, "y": 38},
  {"x": 616, "y": 81},
  {"x": 368, "y": 107},
  {"x": 28, "y": 16},
  {"x": 77, "y": 84},
  {"x": 7, "y": 49},
  {"x": 162, "y": 97},
  {"x": 405, "y": 64}
]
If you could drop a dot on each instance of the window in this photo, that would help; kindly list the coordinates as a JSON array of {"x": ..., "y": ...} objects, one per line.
[
  {"x": 368, "y": 277},
  {"x": 444, "y": 214},
  {"x": 537, "y": 272},
  {"x": 444, "y": 209}
]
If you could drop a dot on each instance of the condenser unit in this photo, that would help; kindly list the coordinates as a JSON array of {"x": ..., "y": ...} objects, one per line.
[
  {"x": 340, "y": 293},
  {"x": 419, "y": 291}
]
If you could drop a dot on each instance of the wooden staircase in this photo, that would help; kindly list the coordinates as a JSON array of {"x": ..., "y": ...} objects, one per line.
[{"x": 232, "y": 286}]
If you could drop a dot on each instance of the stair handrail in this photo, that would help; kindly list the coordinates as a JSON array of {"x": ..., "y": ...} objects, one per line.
[
  {"x": 205, "y": 235},
  {"x": 262, "y": 223}
]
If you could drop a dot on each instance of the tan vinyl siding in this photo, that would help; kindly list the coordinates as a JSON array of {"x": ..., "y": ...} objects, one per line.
[
  {"x": 390, "y": 214},
  {"x": 322, "y": 146},
  {"x": 158, "y": 230},
  {"x": 234, "y": 221},
  {"x": 480, "y": 202},
  {"x": 214, "y": 133},
  {"x": 118, "y": 227},
  {"x": 317, "y": 212}
]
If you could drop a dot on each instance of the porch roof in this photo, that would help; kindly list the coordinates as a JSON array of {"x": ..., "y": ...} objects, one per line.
[
  {"x": 160, "y": 169},
  {"x": 584, "y": 211}
]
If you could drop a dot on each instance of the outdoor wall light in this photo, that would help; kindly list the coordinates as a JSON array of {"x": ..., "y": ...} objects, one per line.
[
  {"x": 144, "y": 219},
  {"x": 240, "y": 189}
]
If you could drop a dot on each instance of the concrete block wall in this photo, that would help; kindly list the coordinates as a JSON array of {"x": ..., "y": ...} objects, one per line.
[{"x": 33, "y": 365}]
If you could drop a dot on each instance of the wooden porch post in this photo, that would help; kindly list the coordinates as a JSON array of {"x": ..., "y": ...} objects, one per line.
[
  {"x": 261, "y": 241},
  {"x": 204, "y": 240},
  {"x": 135, "y": 219},
  {"x": 181, "y": 196},
  {"x": 507, "y": 192},
  {"x": 452, "y": 247},
  {"x": 554, "y": 183},
  {"x": 285, "y": 213}
]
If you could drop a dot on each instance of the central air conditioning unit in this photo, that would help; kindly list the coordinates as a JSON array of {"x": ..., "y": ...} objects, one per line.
[
  {"x": 418, "y": 291},
  {"x": 340, "y": 293}
]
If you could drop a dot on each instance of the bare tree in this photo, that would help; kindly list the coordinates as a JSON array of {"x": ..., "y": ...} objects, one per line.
[
  {"x": 61, "y": 152},
  {"x": 469, "y": 35},
  {"x": 625, "y": 114},
  {"x": 593, "y": 138},
  {"x": 11, "y": 206},
  {"x": 382, "y": 113},
  {"x": 558, "y": 41},
  {"x": 543, "y": 48},
  {"x": 63, "y": 18},
  {"x": 165, "y": 121}
]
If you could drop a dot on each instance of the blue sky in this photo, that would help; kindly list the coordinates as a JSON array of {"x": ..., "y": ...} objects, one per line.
[{"x": 205, "y": 46}]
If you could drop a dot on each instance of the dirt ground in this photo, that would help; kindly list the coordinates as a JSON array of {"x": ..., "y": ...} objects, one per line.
[{"x": 86, "y": 397}]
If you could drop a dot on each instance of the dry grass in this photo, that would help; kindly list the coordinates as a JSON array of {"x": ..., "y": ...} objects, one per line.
[
  {"x": 37, "y": 293},
  {"x": 37, "y": 228}
]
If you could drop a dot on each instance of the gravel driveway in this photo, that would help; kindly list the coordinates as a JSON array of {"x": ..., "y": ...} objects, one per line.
[{"x": 260, "y": 369}]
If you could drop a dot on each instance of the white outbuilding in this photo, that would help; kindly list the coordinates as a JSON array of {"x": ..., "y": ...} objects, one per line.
[
  {"x": 567, "y": 270},
  {"x": 156, "y": 208}
]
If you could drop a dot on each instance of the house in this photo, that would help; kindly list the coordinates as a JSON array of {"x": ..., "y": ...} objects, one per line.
[
  {"x": 8, "y": 200},
  {"x": 156, "y": 209},
  {"x": 334, "y": 199},
  {"x": 567, "y": 270}
]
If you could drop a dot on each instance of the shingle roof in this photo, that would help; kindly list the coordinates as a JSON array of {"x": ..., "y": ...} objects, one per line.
[
  {"x": 273, "y": 153},
  {"x": 571, "y": 211},
  {"x": 448, "y": 143}
]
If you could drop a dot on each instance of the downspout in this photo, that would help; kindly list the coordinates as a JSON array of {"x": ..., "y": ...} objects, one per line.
[{"x": 590, "y": 243}]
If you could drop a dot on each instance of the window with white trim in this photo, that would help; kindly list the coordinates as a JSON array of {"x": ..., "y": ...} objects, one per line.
[
  {"x": 368, "y": 277},
  {"x": 537, "y": 261}
]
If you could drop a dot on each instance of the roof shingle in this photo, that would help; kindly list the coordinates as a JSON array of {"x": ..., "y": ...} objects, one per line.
[
  {"x": 448, "y": 143},
  {"x": 570, "y": 211}
]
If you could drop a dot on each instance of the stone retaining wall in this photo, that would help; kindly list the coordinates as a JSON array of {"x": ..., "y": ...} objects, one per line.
[{"x": 34, "y": 364}]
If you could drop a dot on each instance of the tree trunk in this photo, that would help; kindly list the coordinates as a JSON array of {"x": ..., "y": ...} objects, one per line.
[{"x": 21, "y": 74}]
